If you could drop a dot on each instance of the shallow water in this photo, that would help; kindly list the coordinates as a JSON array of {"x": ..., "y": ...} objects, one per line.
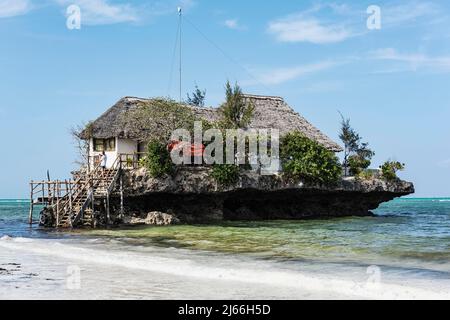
[{"x": 402, "y": 252}]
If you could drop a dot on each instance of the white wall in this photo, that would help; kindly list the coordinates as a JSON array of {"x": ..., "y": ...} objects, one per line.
[{"x": 126, "y": 146}]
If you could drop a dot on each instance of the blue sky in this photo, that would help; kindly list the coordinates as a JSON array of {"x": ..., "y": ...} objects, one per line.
[{"x": 394, "y": 83}]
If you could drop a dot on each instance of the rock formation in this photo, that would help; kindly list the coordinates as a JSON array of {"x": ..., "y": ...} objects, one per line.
[{"x": 193, "y": 196}]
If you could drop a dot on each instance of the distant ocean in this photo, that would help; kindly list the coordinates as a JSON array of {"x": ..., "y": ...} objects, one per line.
[{"x": 402, "y": 252}]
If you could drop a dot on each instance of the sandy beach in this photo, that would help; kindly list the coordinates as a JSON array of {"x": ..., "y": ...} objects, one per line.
[{"x": 45, "y": 269}]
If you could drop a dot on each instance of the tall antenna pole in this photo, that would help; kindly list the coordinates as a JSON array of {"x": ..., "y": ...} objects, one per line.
[{"x": 181, "y": 20}]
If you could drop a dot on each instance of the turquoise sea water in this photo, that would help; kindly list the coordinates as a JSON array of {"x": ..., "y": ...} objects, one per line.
[
  {"x": 404, "y": 229},
  {"x": 409, "y": 239}
]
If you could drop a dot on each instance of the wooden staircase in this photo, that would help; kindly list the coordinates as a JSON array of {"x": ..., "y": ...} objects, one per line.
[
  {"x": 88, "y": 218},
  {"x": 76, "y": 207}
]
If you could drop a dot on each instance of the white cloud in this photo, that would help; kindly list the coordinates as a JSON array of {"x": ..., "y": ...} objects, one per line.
[
  {"x": 98, "y": 12},
  {"x": 298, "y": 29},
  {"x": 339, "y": 8},
  {"x": 408, "y": 13},
  {"x": 280, "y": 75},
  {"x": 332, "y": 23},
  {"x": 233, "y": 24},
  {"x": 101, "y": 12},
  {"x": 11, "y": 8},
  {"x": 415, "y": 61},
  {"x": 322, "y": 23}
]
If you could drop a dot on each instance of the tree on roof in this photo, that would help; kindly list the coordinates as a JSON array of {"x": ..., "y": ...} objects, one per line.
[
  {"x": 236, "y": 112},
  {"x": 357, "y": 154},
  {"x": 197, "y": 99}
]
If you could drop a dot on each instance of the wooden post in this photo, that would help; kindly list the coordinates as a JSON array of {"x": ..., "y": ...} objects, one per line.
[
  {"x": 107, "y": 209},
  {"x": 54, "y": 191},
  {"x": 121, "y": 195},
  {"x": 57, "y": 203},
  {"x": 30, "y": 218},
  {"x": 69, "y": 192},
  {"x": 92, "y": 194}
]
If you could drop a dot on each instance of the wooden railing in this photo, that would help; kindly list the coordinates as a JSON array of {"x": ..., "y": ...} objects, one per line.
[
  {"x": 83, "y": 186},
  {"x": 94, "y": 178},
  {"x": 131, "y": 160},
  {"x": 128, "y": 160},
  {"x": 50, "y": 193}
]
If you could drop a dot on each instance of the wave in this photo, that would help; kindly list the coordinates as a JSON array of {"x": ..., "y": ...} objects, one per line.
[
  {"x": 16, "y": 240},
  {"x": 14, "y": 201},
  {"x": 420, "y": 200},
  {"x": 211, "y": 268}
]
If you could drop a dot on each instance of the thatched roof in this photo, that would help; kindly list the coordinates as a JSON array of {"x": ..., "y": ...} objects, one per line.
[{"x": 270, "y": 112}]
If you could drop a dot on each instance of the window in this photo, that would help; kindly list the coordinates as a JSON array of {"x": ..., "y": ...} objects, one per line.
[
  {"x": 105, "y": 145},
  {"x": 99, "y": 145},
  {"x": 110, "y": 144}
]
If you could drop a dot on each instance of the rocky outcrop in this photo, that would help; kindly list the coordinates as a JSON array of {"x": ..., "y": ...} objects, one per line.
[
  {"x": 47, "y": 216},
  {"x": 155, "y": 218},
  {"x": 193, "y": 196}
]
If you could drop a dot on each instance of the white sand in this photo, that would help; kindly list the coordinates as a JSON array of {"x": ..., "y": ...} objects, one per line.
[{"x": 110, "y": 271}]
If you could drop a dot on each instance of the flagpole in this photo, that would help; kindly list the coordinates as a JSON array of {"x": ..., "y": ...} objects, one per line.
[{"x": 181, "y": 20}]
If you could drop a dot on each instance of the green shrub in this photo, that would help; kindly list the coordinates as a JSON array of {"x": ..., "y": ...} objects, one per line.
[
  {"x": 365, "y": 175},
  {"x": 143, "y": 162},
  {"x": 225, "y": 174},
  {"x": 129, "y": 162},
  {"x": 158, "y": 161},
  {"x": 390, "y": 168},
  {"x": 306, "y": 159},
  {"x": 358, "y": 164}
]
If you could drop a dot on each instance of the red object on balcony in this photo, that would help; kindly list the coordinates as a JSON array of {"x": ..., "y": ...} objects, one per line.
[{"x": 196, "y": 150}]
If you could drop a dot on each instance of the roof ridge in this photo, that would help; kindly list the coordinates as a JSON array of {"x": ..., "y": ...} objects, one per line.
[
  {"x": 265, "y": 97},
  {"x": 245, "y": 95},
  {"x": 135, "y": 98},
  {"x": 201, "y": 108}
]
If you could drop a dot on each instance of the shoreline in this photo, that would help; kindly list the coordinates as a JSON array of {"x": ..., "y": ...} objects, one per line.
[{"x": 203, "y": 269}]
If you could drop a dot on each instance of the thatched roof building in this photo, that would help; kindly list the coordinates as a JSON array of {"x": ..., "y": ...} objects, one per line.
[
  {"x": 270, "y": 112},
  {"x": 274, "y": 112}
]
